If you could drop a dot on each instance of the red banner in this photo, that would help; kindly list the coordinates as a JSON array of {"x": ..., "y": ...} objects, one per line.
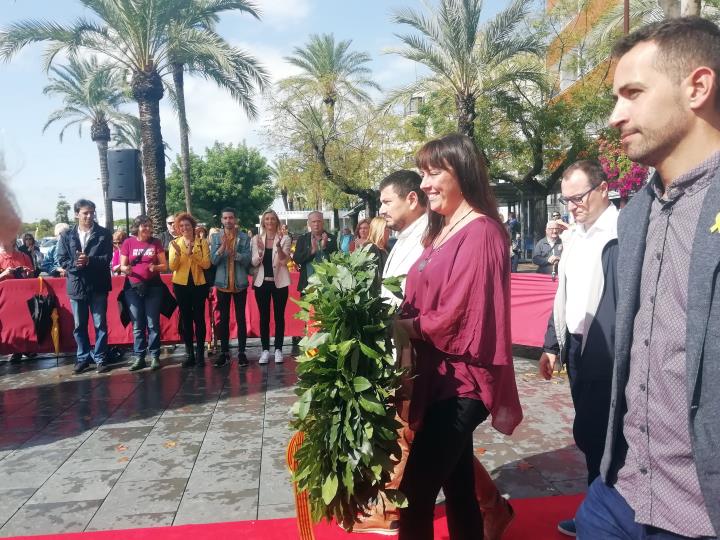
[{"x": 532, "y": 297}]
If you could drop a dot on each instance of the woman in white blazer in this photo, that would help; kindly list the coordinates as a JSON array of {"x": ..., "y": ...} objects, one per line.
[{"x": 270, "y": 255}]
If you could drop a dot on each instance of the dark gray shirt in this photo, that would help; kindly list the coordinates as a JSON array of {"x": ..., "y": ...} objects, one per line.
[{"x": 659, "y": 479}]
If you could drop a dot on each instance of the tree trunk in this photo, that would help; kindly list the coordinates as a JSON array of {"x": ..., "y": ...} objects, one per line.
[
  {"x": 284, "y": 195},
  {"x": 690, "y": 8},
  {"x": 100, "y": 135},
  {"x": 371, "y": 206},
  {"x": 147, "y": 90},
  {"x": 178, "y": 81},
  {"x": 465, "y": 105},
  {"x": 336, "y": 218},
  {"x": 671, "y": 8},
  {"x": 102, "y": 147}
]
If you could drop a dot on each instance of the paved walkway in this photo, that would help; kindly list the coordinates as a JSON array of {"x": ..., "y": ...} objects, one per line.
[{"x": 176, "y": 446}]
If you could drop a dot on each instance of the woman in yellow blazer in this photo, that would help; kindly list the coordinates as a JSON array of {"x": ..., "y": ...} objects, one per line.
[
  {"x": 189, "y": 257},
  {"x": 270, "y": 255}
]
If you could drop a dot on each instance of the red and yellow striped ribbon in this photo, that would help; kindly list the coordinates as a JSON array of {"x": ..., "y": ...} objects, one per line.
[{"x": 302, "y": 504}]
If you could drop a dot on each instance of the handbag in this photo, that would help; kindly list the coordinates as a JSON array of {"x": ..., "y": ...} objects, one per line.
[
  {"x": 123, "y": 308},
  {"x": 168, "y": 302}
]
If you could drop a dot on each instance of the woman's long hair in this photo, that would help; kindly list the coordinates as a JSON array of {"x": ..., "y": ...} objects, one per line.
[
  {"x": 357, "y": 228},
  {"x": 458, "y": 154},
  {"x": 262, "y": 221},
  {"x": 377, "y": 232}
]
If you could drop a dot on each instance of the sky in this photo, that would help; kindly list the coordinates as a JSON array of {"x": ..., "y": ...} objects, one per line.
[{"x": 40, "y": 167}]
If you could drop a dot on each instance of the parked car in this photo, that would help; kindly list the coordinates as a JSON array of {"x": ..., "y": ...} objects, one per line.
[{"x": 46, "y": 244}]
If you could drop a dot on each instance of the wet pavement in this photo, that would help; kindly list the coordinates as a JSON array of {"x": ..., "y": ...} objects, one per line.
[{"x": 176, "y": 446}]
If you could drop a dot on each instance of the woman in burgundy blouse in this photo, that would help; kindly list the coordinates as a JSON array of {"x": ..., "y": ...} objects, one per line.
[{"x": 457, "y": 314}]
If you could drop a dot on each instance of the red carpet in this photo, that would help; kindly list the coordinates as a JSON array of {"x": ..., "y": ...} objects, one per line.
[{"x": 535, "y": 519}]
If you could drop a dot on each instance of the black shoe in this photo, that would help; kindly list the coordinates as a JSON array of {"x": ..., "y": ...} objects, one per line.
[
  {"x": 200, "y": 355},
  {"x": 155, "y": 363},
  {"x": 242, "y": 360},
  {"x": 16, "y": 358},
  {"x": 81, "y": 367},
  {"x": 137, "y": 363},
  {"x": 103, "y": 368},
  {"x": 222, "y": 359},
  {"x": 189, "y": 361}
]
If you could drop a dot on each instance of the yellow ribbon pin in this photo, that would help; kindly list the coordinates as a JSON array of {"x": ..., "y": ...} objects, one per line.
[{"x": 716, "y": 226}]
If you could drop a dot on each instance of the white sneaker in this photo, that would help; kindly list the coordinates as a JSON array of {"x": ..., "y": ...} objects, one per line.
[
  {"x": 264, "y": 357},
  {"x": 278, "y": 356}
]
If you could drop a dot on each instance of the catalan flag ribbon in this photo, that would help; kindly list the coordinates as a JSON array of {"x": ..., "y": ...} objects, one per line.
[{"x": 302, "y": 504}]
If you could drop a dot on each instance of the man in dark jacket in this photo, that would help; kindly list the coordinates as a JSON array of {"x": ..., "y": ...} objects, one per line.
[
  {"x": 313, "y": 246},
  {"x": 85, "y": 252},
  {"x": 547, "y": 251},
  {"x": 582, "y": 325}
]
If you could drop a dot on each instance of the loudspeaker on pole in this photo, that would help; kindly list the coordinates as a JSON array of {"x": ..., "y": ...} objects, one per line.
[{"x": 125, "y": 175}]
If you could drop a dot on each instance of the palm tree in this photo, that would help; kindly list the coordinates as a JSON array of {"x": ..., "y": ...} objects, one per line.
[
  {"x": 91, "y": 94},
  {"x": 228, "y": 67},
  {"x": 464, "y": 57},
  {"x": 610, "y": 25},
  {"x": 331, "y": 70},
  {"x": 134, "y": 35}
]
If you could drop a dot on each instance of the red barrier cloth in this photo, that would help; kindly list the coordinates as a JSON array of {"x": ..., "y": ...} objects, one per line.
[
  {"x": 531, "y": 303},
  {"x": 17, "y": 333}
]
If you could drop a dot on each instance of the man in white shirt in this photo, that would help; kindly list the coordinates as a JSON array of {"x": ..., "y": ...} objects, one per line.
[
  {"x": 403, "y": 205},
  {"x": 581, "y": 328}
]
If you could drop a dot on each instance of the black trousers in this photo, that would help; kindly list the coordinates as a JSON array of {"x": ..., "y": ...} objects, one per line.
[
  {"x": 591, "y": 399},
  {"x": 239, "y": 300},
  {"x": 441, "y": 456},
  {"x": 264, "y": 294},
  {"x": 191, "y": 303}
]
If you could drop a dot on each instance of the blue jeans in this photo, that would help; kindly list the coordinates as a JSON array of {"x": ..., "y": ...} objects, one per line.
[
  {"x": 604, "y": 515},
  {"x": 97, "y": 306},
  {"x": 145, "y": 315}
]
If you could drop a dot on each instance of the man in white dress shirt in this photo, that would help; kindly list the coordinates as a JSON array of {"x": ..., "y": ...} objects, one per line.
[
  {"x": 581, "y": 328},
  {"x": 403, "y": 205}
]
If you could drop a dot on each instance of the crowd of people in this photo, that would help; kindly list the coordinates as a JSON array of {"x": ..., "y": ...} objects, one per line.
[{"x": 636, "y": 317}]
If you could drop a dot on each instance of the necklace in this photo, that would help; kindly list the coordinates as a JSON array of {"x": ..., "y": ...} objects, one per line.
[{"x": 439, "y": 243}]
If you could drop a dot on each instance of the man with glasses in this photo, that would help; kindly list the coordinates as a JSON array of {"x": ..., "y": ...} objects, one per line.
[
  {"x": 547, "y": 251},
  {"x": 84, "y": 252},
  {"x": 582, "y": 325}
]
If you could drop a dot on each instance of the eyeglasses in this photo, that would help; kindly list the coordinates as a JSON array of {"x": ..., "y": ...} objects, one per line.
[
  {"x": 576, "y": 199},
  {"x": 170, "y": 222}
]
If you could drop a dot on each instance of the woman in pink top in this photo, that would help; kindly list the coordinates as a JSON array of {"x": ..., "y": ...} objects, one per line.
[
  {"x": 118, "y": 239},
  {"x": 457, "y": 314},
  {"x": 142, "y": 258}
]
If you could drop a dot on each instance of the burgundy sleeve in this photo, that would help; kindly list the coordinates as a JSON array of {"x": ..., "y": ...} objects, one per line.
[{"x": 471, "y": 315}]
